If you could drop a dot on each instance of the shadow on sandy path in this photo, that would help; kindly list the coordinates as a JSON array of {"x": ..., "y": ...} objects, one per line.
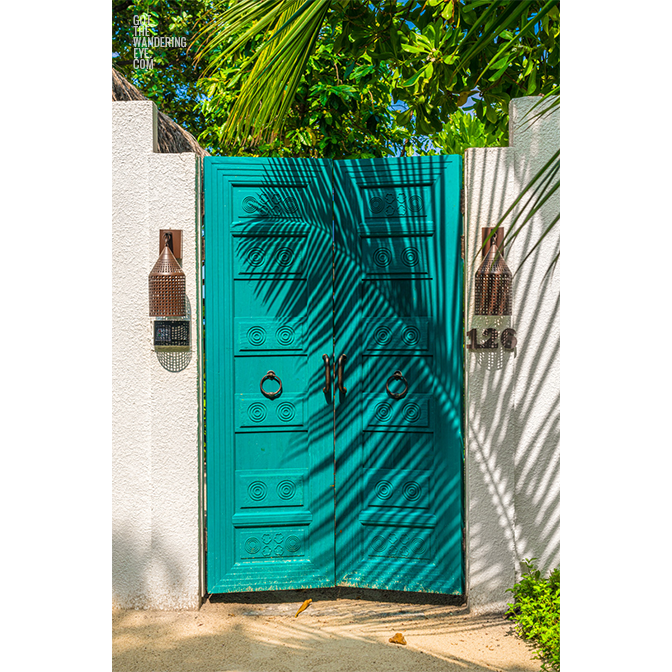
[{"x": 347, "y": 635}]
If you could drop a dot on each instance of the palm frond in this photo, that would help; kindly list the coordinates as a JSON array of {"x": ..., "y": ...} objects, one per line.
[
  {"x": 530, "y": 200},
  {"x": 291, "y": 28},
  {"x": 490, "y": 26},
  {"x": 547, "y": 230},
  {"x": 496, "y": 28},
  {"x": 550, "y": 103}
]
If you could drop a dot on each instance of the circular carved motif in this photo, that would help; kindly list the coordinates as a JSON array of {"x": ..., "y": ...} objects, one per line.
[
  {"x": 376, "y": 205},
  {"x": 293, "y": 544},
  {"x": 378, "y": 543},
  {"x": 257, "y": 490},
  {"x": 382, "y": 335},
  {"x": 256, "y": 412},
  {"x": 285, "y": 411},
  {"x": 285, "y": 335},
  {"x": 286, "y": 490},
  {"x": 252, "y": 545},
  {"x": 382, "y": 257},
  {"x": 291, "y": 204},
  {"x": 279, "y": 550},
  {"x": 412, "y": 491},
  {"x": 256, "y": 336},
  {"x": 383, "y": 489},
  {"x": 410, "y": 257},
  {"x": 411, "y": 335},
  {"x": 415, "y": 203},
  {"x": 284, "y": 256},
  {"x": 383, "y": 411},
  {"x": 256, "y": 256},
  {"x": 250, "y": 204},
  {"x": 411, "y": 412},
  {"x": 418, "y": 546}
]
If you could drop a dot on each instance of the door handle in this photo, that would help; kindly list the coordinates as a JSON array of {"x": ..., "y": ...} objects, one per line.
[
  {"x": 340, "y": 378},
  {"x": 327, "y": 378}
]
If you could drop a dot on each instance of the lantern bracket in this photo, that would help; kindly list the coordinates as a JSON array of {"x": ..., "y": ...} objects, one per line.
[{"x": 174, "y": 242}]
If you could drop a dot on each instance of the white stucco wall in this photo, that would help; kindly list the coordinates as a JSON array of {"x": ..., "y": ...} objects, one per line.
[
  {"x": 156, "y": 436},
  {"x": 513, "y": 398}
]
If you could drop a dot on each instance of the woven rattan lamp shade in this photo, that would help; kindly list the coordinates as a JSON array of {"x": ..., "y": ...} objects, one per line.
[
  {"x": 167, "y": 287},
  {"x": 493, "y": 284}
]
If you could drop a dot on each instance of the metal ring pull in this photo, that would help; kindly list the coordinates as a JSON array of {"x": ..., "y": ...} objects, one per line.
[
  {"x": 397, "y": 375},
  {"x": 270, "y": 376}
]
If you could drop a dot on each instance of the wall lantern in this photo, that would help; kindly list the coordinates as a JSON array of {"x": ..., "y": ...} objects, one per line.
[
  {"x": 493, "y": 279},
  {"x": 167, "y": 285},
  {"x": 168, "y": 299}
]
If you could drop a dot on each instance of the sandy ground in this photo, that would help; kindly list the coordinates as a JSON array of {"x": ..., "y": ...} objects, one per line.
[{"x": 341, "y": 631}]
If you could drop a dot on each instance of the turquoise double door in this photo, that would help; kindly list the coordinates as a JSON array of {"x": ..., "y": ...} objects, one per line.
[{"x": 333, "y": 373}]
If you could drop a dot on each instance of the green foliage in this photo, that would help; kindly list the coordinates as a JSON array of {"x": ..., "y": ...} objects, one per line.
[
  {"x": 340, "y": 110},
  {"x": 374, "y": 79},
  {"x": 433, "y": 56},
  {"x": 173, "y": 82},
  {"x": 464, "y": 130},
  {"x": 536, "y": 611}
]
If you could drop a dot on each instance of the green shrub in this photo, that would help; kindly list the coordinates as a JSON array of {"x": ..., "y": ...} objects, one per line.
[{"x": 536, "y": 612}]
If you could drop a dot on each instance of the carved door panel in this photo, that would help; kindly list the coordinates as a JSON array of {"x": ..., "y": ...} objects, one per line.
[
  {"x": 269, "y": 433},
  {"x": 398, "y": 321}
]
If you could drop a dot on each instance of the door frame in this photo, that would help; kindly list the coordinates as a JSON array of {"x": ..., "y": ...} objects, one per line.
[{"x": 334, "y": 355}]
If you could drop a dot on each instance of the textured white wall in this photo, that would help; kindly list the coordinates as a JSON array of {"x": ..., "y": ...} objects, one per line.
[
  {"x": 513, "y": 398},
  {"x": 156, "y": 478}
]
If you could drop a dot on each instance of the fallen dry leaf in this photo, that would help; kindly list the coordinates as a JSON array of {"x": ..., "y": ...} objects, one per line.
[
  {"x": 302, "y": 607},
  {"x": 398, "y": 639}
]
